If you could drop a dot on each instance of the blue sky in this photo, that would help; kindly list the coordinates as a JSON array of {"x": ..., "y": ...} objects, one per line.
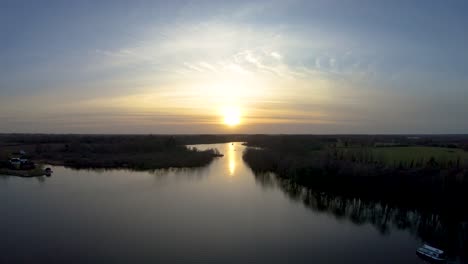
[{"x": 286, "y": 66}]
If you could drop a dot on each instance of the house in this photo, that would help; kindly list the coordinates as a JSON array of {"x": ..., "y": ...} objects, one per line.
[
  {"x": 21, "y": 163},
  {"x": 15, "y": 163}
]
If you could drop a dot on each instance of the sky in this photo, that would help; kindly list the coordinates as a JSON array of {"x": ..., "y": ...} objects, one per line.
[{"x": 185, "y": 67}]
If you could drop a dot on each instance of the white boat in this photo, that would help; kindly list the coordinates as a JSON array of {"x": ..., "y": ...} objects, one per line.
[{"x": 431, "y": 253}]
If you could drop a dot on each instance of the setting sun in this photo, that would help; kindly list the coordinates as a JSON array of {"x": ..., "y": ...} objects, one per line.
[{"x": 232, "y": 116}]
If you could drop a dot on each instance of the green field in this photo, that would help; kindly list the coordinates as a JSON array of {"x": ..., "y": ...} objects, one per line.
[{"x": 395, "y": 155}]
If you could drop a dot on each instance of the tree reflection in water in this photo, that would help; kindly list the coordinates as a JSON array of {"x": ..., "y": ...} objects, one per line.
[{"x": 447, "y": 230}]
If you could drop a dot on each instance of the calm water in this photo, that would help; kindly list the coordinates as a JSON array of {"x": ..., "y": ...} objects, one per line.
[{"x": 222, "y": 213}]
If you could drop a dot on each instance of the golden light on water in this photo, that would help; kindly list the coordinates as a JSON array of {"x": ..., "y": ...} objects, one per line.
[
  {"x": 232, "y": 166},
  {"x": 232, "y": 160}
]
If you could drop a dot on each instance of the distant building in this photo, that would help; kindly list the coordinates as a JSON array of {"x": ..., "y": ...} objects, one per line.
[
  {"x": 15, "y": 163},
  {"x": 21, "y": 163}
]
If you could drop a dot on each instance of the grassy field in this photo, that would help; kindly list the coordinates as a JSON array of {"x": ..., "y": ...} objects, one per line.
[{"x": 422, "y": 154}]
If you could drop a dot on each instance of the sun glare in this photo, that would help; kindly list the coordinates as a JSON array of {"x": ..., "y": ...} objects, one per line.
[{"x": 232, "y": 116}]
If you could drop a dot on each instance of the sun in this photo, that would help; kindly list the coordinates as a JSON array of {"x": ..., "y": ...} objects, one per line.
[{"x": 232, "y": 116}]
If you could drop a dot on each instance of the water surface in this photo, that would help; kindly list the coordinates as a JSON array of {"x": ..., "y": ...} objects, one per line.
[{"x": 221, "y": 213}]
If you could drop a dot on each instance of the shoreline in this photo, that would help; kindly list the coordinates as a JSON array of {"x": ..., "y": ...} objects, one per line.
[
  {"x": 23, "y": 173},
  {"x": 86, "y": 165}
]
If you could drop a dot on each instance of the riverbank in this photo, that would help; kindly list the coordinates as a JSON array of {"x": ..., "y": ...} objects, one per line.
[
  {"x": 135, "y": 161},
  {"x": 426, "y": 177},
  {"x": 38, "y": 171},
  {"x": 130, "y": 152}
]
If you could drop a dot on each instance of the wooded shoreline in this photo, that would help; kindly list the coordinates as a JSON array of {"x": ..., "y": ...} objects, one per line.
[
  {"x": 434, "y": 179},
  {"x": 89, "y": 151}
]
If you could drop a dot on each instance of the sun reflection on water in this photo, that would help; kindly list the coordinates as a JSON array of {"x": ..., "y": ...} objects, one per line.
[{"x": 232, "y": 160}]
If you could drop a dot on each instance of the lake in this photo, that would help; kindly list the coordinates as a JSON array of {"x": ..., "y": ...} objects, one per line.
[{"x": 221, "y": 213}]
